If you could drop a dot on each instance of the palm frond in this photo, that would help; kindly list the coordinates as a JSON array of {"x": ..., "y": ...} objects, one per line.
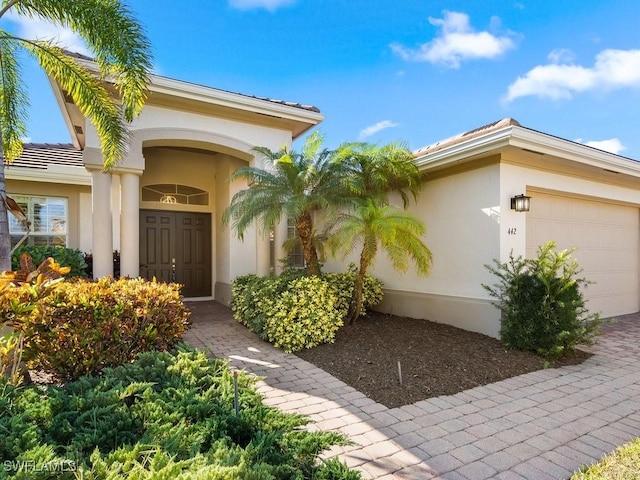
[
  {"x": 13, "y": 100},
  {"x": 89, "y": 95},
  {"x": 118, "y": 42},
  {"x": 375, "y": 171},
  {"x": 398, "y": 233}
]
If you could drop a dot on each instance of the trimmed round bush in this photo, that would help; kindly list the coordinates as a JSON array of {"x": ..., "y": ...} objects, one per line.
[{"x": 305, "y": 315}]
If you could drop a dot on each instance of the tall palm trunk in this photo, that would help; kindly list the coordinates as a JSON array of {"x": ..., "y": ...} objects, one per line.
[
  {"x": 355, "y": 307},
  {"x": 5, "y": 238},
  {"x": 304, "y": 226}
]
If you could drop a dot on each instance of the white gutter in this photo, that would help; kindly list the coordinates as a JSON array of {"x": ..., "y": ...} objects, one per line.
[{"x": 52, "y": 174}]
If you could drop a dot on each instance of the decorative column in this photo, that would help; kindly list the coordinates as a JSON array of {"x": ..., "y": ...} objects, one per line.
[
  {"x": 129, "y": 225},
  {"x": 102, "y": 243},
  {"x": 262, "y": 253}
]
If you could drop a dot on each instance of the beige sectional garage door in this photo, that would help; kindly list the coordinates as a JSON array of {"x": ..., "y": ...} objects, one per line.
[{"x": 606, "y": 235}]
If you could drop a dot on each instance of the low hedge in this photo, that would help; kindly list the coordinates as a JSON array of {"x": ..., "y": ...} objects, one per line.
[
  {"x": 294, "y": 311},
  {"x": 80, "y": 327}
]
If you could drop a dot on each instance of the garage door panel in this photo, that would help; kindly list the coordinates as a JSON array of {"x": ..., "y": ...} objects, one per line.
[{"x": 606, "y": 237}]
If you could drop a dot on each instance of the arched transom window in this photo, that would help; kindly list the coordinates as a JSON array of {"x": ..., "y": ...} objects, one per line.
[{"x": 172, "y": 193}]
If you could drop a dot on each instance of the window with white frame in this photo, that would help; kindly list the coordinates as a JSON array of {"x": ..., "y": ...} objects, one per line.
[
  {"x": 295, "y": 257},
  {"x": 48, "y": 217}
]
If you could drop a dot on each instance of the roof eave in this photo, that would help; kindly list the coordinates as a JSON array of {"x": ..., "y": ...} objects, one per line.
[
  {"x": 463, "y": 151},
  {"x": 169, "y": 86},
  {"x": 305, "y": 119},
  {"x": 66, "y": 114},
  {"x": 551, "y": 145},
  {"x": 52, "y": 174},
  {"x": 532, "y": 140}
]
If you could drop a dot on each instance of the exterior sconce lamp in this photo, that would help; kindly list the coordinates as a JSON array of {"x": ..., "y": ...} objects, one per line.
[{"x": 520, "y": 203}]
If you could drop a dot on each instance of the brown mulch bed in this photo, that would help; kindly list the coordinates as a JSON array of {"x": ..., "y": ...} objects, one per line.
[{"x": 435, "y": 359}]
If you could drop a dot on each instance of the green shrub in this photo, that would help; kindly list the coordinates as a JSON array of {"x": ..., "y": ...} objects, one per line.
[
  {"x": 291, "y": 310},
  {"x": 81, "y": 327},
  {"x": 294, "y": 311},
  {"x": 304, "y": 315},
  {"x": 67, "y": 257},
  {"x": 543, "y": 309},
  {"x": 253, "y": 298},
  {"x": 343, "y": 283},
  {"x": 162, "y": 416}
]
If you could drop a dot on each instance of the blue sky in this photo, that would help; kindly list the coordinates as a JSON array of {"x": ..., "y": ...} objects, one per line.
[{"x": 404, "y": 70}]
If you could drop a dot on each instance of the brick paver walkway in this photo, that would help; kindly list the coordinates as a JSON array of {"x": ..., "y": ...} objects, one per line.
[{"x": 542, "y": 425}]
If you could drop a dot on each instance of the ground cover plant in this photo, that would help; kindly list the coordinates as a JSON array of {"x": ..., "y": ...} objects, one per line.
[{"x": 166, "y": 415}]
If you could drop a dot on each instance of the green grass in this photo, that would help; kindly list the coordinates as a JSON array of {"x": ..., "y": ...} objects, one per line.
[{"x": 622, "y": 464}]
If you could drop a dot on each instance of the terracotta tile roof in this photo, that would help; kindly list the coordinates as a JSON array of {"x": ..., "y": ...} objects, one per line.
[
  {"x": 309, "y": 108},
  {"x": 40, "y": 155},
  {"x": 462, "y": 137}
]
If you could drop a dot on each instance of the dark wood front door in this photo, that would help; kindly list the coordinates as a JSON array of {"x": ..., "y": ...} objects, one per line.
[{"x": 176, "y": 247}]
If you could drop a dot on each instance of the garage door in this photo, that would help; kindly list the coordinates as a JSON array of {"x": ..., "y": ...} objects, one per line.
[{"x": 606, "y": 235}]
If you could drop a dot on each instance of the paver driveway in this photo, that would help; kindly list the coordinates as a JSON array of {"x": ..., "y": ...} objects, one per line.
[{"x": 541, "y": 425}]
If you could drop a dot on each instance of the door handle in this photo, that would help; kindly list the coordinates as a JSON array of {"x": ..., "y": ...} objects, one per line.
[{"x": 173, "y": 269}]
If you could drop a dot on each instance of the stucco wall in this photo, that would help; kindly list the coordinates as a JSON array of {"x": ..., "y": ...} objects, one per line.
[
  {"x": 184, "y": 167},
  {"x": 461, "y": 212},
  {"x": 181, "y": 127}
]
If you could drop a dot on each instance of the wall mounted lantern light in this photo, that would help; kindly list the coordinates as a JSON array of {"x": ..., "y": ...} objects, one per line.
[{"x": 520, "y": 203}]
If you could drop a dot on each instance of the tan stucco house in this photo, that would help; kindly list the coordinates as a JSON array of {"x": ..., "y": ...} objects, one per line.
[
  {"x": 162, "y": 206},
  {"x": 579, "y": 197}
]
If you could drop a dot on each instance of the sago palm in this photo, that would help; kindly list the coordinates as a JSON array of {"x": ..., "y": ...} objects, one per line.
[
  {"x": 293, "y": 185},
  {"x": 121, "y": 54},
  {"x": 375, "y": 226}
]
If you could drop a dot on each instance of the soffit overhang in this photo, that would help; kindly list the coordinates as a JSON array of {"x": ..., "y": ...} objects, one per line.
[{"x": 520, "y": 145}]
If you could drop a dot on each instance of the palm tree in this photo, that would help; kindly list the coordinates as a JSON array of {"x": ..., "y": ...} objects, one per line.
[
  {"x": 121, "y": 55},
  {"x": 373, "y": 171},
  {"x": 374, "y": 225},
  {"x": 294, "y": 185}
]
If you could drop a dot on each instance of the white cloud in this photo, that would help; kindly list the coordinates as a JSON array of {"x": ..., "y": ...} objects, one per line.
[
  {"x": 373, "y": 129},
  {"x": 613, "y": 69},
  {"x": 613, "y": 145},
  {"x": 40, "y": 29},
  {"x": 561, "y": 55},
  {"x": 270, "y": 5},
  {"x": 458, "y": 42}
]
